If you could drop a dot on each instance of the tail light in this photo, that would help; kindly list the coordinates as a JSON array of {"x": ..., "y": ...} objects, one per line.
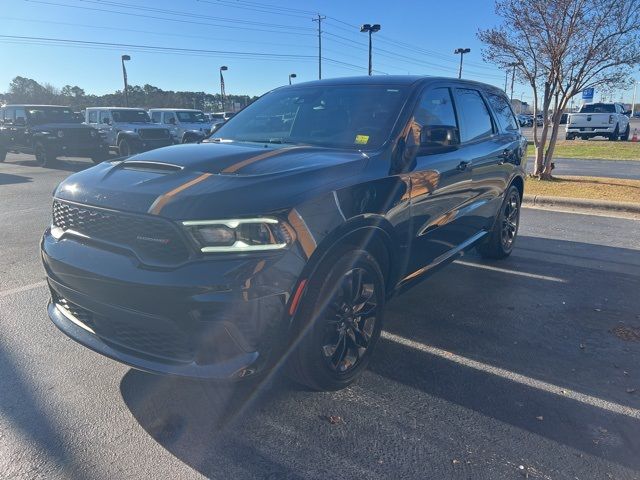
[{"x": 610, "y": 118}]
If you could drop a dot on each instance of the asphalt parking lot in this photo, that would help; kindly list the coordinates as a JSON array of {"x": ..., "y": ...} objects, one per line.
[{"x": 528, "y": 367}]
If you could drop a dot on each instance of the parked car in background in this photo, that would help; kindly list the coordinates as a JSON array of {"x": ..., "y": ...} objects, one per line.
[
  {"x": 282, "y": 237},
  {"x": 128, "y": 130},
  {"x": 525, "y": 120},
  {"x": 185, "y": 125},
  {"x": 48, "y": 131},
  {"x": 220, "y": 117},
  {"x": 608, "y": 120}
]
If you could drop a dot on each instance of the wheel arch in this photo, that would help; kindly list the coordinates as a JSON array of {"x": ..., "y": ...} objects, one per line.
[{"x": 518, "y": 182}]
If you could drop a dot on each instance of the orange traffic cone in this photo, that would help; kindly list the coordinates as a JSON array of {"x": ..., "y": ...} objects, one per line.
[{"x": 635, "y": 135}]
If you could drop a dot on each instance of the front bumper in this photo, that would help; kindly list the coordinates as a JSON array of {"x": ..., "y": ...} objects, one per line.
[
  {"x": 61, "y": 148},
  {"x": 218, "y": 319}
]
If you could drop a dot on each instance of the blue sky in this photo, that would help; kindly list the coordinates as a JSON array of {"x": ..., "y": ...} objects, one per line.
[{"x": 416, "y": 37}]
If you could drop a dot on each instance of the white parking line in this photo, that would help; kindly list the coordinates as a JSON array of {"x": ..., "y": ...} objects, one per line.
[
  {"x": 511, "y": 272},
  {"x": 516, "y": 377},
  {"x": 31, "y": 286}
]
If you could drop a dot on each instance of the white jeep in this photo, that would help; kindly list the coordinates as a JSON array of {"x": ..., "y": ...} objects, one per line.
[
  {"x": 185, "y": 125},
  {"x": 127, "y": 130}
]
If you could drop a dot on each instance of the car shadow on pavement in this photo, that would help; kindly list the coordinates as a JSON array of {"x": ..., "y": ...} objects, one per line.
[
  {"x": 544, "y": 316},
  {"x": 8, "y": 179},
  {"x": 64, "y": 164}
]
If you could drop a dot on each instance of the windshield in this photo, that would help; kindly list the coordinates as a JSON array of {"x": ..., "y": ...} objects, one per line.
[
  {"x": 598, "y": 108},
  {"x": 353, "y": 116},
  {"x": 130, "y": 116},
  {"x": 53, "y": 115},
  {"x": 191, "y": 117}
]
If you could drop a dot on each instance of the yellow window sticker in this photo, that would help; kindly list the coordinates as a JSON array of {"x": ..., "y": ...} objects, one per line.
[{"x": 362, "y": 139}]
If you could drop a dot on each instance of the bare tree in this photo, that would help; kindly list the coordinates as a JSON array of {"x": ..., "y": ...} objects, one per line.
[{"x": 561, "y": 47}]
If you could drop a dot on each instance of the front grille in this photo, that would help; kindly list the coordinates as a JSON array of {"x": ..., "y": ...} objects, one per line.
[
  {"x": 155, "y": 337},
  {"x": 153, "y": 133},
  {"x": 153, "y": 240}
]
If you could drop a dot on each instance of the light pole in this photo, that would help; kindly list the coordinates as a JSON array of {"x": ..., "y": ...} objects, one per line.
[
  {"x": 633, "y": 102},
  {"x": 223, "y": 68},
  {"x": 461, "y": 52},
  {"x": 371, "y": 29},
  {"x": 513, "y": 78},
  {"x": 125, "y": 58},
  {"x": 520, "y": 109},
  {"x": 291, "y": 75}
]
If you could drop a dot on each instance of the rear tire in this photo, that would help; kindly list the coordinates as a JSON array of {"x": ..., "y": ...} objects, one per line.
[
  {"x": 339, "y": 321},
  {"x": 505, "y": 228},
  {"x": 570, "y": 136},
  {"x": 625, "y": 135},
  {"x": 614, "y": 136}
]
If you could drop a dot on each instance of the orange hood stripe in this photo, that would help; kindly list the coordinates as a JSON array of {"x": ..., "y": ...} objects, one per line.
[
  {"x": 165, "y": 198},
  {"x": 271, "y": 153}
]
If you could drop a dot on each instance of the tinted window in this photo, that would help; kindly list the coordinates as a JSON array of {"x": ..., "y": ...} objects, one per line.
[
  {"x": 168, "y": 116},
  {"x": 130, "y": 116},
  {"x": 103, "y": 114},
  {"x": 352, "y": 116},
  {"x": 475, "y": 120},
  {"x": 503, "y": 112},
  {"x": 436, "y": 108},
  {"x": 93, "y": 116},
  {"x": 598, "y": 108},
  {"x": 8, "y": 115},
  {"x": 20, "y": 115},
  {"x": 155, "y": 117},
  {"x": 191, "y": 117},
  {"x": 39, "y": 115}
]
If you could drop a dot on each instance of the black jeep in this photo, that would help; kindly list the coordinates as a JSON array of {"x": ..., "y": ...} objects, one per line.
[{"x": 48, "y": 131}]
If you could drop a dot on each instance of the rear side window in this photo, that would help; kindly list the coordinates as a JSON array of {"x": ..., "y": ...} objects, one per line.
[
  {"x": 503, "y": 112},
  {"x": 92, "y": 117},
  {"x": 155, "y": 117},
  {"x": 475, "y": 120},
  {"x": 436, "y": 108},
  {"x": 168, "y": 116},
  {"x": 103, "y": 114},
  {"x": 8, "y": 116}
]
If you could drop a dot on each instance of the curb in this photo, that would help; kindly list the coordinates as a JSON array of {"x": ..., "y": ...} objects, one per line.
[{"x": 542, "y": 200}]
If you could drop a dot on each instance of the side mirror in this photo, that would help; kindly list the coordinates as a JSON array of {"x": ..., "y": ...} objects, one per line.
[
  {"x": 438, "y": 137},
  {"x": 628, "y": 113},
  {"x": 19, "y": 122}
]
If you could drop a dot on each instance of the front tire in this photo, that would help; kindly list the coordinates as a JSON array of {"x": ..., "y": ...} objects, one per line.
[
  {"x": 124, "y": 149},
  {"x": 505, "y": 229},
  {"x": 339, "y": 321},
  {"x": 99, "y": 157},
  {"x": 43, "y": 155}
]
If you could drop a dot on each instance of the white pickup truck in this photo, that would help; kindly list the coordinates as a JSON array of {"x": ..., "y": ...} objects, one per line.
[{"x": 609, "y": 120}]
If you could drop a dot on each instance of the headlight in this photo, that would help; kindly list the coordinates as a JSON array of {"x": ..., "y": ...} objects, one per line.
[
  {"x": 239, "y": 235},
  {"x": 60, "y": 133}
]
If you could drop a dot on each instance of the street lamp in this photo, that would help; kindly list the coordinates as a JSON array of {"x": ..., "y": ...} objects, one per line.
[
  {"x": 125, "y": 58},
  {"x": 370, "y": 29},
  {"x": 513, "y": 78},
  {"x": 291, "y": 75},
  {"x": 223, "y": 68},
  {"x": 461, "y": 52}
]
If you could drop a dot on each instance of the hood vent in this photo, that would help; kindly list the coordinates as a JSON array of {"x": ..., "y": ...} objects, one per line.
[{"x": 158, "y": 167}]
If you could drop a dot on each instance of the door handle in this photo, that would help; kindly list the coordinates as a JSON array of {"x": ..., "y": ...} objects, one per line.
[{"x": 463, "y": 165}]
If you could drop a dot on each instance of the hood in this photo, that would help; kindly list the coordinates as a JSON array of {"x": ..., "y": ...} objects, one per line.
[{"x": 194, "y": 181}]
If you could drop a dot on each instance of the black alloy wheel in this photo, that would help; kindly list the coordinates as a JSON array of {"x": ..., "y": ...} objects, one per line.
[
  {"x": 350, "y": 321},
  {"x": 510, "y": 219},
  {"x": 499, "y": 243},
  {"x": 339, "y": 321}
]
